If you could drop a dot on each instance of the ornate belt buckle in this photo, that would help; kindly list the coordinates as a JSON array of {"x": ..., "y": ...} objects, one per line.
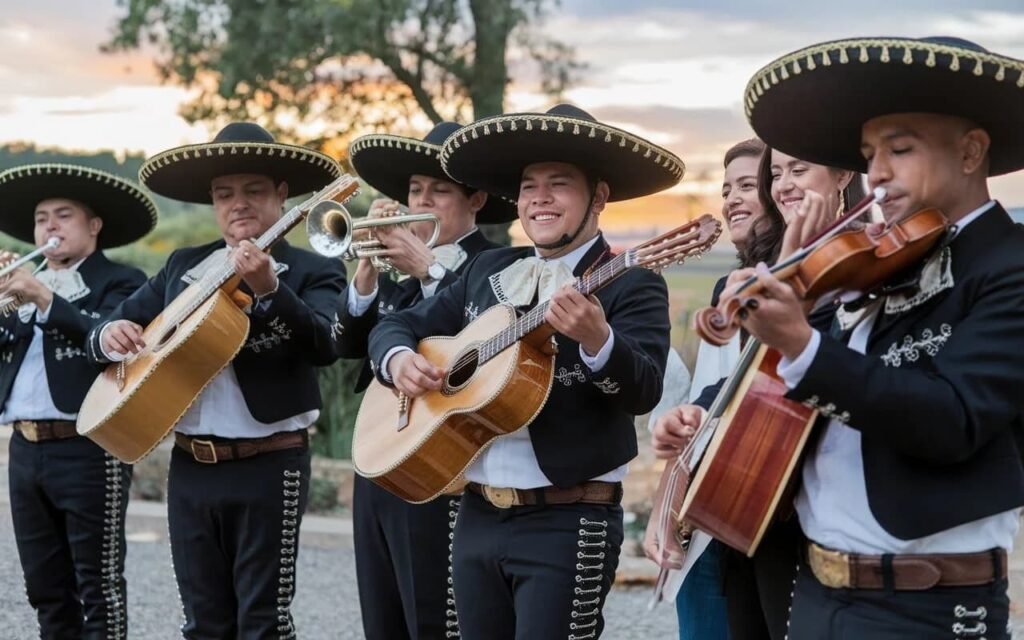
[
  {"x": 29, "y": 429},
  {"x": 205, "y": 443},
  {"x": 501, "y": 497},
  {"x": 831, "y": 568}
]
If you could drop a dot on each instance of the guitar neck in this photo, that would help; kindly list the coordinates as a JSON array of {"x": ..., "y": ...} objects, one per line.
[{"x": 534, "y": 318}]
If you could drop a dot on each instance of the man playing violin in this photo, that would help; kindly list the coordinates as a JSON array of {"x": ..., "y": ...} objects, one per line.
[
  {"x": 540, "y": 526},
  {"x": 239, "y": 474},
  {"x": 403, "y": 550},
  {"x": 68, "y": 496},
  {"x": 911, "y": 497}
]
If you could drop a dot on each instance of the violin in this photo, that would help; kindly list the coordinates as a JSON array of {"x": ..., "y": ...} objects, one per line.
[{"x": 837, "y": 260}]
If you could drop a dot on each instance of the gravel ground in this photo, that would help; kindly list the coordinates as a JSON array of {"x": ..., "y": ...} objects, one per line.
[{"x": 326, "y": 604}]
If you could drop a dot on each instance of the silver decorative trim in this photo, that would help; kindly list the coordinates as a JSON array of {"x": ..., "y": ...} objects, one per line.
[
  {"x": 910, "y": 349},
  {"x": 115, "y": 599},
  {"x": 587, "y": 600},
  {"x": 451, "y": 615},
  {"x": 290, "y": 491}
]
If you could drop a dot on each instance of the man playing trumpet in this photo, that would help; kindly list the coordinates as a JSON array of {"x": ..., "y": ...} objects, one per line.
[
  {"x": 403, "y": 551},
  {"x": 68, "y": 496},
  {"x": 239, "y": 474}
]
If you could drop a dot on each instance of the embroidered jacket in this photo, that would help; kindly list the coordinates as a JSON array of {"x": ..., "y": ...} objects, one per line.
[
  {"x": 68, "y": 370},
  {"x": 276, "y": 367},
  {"x": 586, "y": 428},
  {"x": 937, "y": 397},
  {"x": 354, "y": 338}
]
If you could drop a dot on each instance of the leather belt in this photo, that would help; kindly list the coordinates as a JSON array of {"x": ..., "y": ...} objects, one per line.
[
  {"x": 43, "y": 430},
  {"x": 210, "y": 451},
  {"x": 840, "y": 570},
  {"x": 593, "y": 492}
]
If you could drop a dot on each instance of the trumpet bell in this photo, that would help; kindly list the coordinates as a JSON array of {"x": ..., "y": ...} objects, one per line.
[{"x": 329, "y": 227}]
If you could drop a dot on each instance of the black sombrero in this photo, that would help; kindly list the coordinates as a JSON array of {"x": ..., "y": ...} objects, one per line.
[
  {"x": 386, "y": 162},
  {"x": 491, "y": 153},
  {"x": 128, "y": 213},
  {"x": 813, "y": 102},
  {"x": 184, "y": 173}
]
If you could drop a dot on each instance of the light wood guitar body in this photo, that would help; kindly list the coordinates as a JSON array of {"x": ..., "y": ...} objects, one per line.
[{"x": 447, "y": 431}]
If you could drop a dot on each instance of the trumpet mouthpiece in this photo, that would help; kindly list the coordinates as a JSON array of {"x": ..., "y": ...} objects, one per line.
[{"x": 879, "y": 193}]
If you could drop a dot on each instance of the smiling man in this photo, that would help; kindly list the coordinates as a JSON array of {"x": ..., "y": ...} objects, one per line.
[
  {"x": 541, "y": 568},
  {"x": 239, "y": 475},
  {"x": 68, "y": 496}
]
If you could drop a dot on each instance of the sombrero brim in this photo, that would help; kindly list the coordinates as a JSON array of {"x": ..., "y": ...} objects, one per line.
[
  {"x": 812, "y": 103},
  {"x": 184, "y": 173},
  {"x": 492, "y": 153},
  {"x": 386, "y": 162},
  {"x": 128, "y": 213}
]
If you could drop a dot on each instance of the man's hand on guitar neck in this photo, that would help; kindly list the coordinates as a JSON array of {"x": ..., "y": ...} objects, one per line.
[
  {"x": 578, "y": 318},
  {"x": 674, "y": 429},
  {"x": 413, "y": 375}
]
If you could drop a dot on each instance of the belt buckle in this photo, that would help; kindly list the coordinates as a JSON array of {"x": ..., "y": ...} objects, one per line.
[
  {"x": 205, "y": 443},
  {"x": 501, "y": 497},
  {"x": 29, "y": 429},
  {"x": 830, "y": 567}
]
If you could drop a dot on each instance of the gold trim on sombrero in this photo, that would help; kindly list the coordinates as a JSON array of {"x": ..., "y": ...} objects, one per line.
[
  {"x": 576, "y": 126},
  {"x": 210, "y": 149},
  {"x": 76, "y": 171},
  {"x": 804, "y": 60},
  {"x": 390, "y": 141}
]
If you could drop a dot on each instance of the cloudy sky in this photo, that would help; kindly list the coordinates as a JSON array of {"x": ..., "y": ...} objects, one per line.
[{"x": 671, "y": 70}]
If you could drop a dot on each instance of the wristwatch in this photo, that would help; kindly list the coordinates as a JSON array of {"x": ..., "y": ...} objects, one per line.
[{"x": 435, "y": 273}]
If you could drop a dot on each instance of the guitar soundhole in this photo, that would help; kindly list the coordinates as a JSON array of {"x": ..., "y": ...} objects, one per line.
[
  {"x": 461, "y": 372},
  {"x": 165, "y": 338}
]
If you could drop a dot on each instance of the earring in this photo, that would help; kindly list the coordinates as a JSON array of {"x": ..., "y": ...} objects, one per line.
[{"x": 842, "y": 204}]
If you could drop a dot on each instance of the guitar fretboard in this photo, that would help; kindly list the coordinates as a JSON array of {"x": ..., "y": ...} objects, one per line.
[{"x": 534, "y": 318}]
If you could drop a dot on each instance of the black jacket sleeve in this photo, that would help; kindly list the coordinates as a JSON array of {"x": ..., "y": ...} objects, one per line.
[{"x": 946, "y": 411}]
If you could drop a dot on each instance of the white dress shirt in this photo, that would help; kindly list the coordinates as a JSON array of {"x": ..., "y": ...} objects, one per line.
[
  {"x": 832, "y": 502},
  {"x": 30, "y": 397}
]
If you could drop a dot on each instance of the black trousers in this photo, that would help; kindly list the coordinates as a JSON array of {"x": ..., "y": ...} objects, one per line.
[
  {"x": 527, "y": 573},
  {"x": 234, "y": 529},
  {"x": 68, "y": 502},
  {"x": 961, "y": 613},
  {"x": 403, "y": 564},
  {"x": 759, "y": 590}
]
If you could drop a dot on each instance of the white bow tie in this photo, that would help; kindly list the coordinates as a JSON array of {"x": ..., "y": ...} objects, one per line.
[{"x": 523, "y": 278}]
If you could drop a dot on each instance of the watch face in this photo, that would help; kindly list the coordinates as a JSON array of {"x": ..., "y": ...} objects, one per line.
[{"x": 435, "y": 271}]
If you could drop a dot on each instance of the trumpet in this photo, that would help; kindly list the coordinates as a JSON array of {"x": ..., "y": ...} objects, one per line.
[
  {"x": 330, "y": 228},
  {"x": 9, "y": 303}
]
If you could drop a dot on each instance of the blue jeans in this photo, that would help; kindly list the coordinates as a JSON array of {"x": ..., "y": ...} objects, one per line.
[{"x": 700, "y": 605}]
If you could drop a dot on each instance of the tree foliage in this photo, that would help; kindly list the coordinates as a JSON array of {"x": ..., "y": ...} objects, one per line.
[{"x": 346, "y": 65}]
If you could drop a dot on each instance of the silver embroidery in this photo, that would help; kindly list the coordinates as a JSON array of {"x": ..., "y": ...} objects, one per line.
[
  {"x": 67, "y": 353},
  {"x": 113, "y": 593},
  {"x": 910, "y": 350},
  {"x": 567, "y": 377},
  {"x": 496, "y": 287},
  {"x": 337, "y": 329},
  {"x": 607, "y": 386},
  {"x": 590, "y": 579},
  {"x": 452, "y": 619},
  {"x": 7, "y": 357},
  {"x": 278, "y": 333},
  {"x": 472, "y": 311},
  {"x": 827, "y": 410},
  {"x": 289, "y": 547},
  {"x": 936, "y": 276}
]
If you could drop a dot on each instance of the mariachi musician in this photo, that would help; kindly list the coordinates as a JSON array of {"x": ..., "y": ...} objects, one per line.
[
  {"x": 403, "y": 550},
  {"x": 239, "y": 474},
  {"x": 540, "y": 526},
  {"x": 911, "y": 498},
  {"x": 68, "y": 496}
]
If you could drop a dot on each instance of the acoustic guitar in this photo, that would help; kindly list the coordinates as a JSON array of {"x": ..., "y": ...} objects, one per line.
[
  {"x": 499, "y": 374},
  {"x": 135, "y": 403}
]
